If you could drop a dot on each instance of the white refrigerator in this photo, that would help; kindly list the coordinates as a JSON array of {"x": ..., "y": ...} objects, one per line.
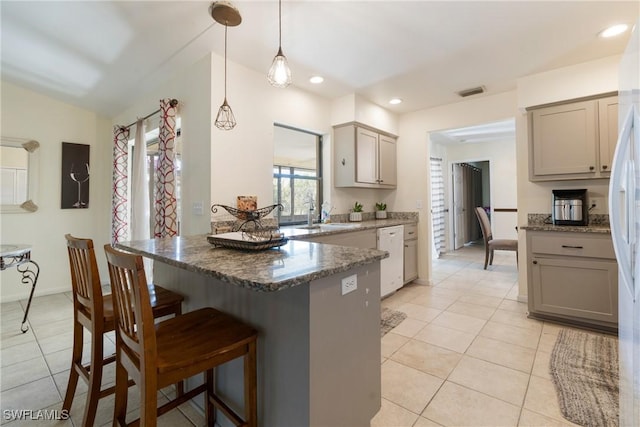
[{"x": 624, "y": 211}]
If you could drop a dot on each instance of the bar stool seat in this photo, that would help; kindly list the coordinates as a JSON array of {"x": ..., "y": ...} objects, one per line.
[
  {"x": 174, "y": 349},
  {"x": 95, "y": 312}
]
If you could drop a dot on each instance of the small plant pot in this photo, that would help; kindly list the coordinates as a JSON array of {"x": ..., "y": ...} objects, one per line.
[
  {"x": 381, "y": 214},
  {"x": 355, "y": 216}
]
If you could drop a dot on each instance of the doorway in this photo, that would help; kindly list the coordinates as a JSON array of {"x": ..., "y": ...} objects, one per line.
[
  {"x": 489, "y": 147},
  {"x": 470, "y": 189}
]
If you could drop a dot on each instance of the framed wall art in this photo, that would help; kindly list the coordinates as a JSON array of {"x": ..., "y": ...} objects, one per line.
[{"x": 75, "y": 176}]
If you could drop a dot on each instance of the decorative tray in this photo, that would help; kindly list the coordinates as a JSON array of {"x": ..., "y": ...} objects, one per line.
[{"x": 251, "y": 241}]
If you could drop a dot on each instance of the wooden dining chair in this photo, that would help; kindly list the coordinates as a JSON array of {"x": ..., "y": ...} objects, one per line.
[
  {"x": 491, "y": 244},
  {"x": 174, "y": 349},
  {"x": 94, "y": 311}
]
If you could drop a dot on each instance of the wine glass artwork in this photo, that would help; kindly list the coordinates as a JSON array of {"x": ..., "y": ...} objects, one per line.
[
  {"x": 75, "y": 176},
  {"x": 80, "y": 174}
]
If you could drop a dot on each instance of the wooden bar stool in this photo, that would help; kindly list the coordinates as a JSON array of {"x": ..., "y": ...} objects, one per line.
[
  {"x": 174, "y": 349},
  {"x": 94, "y": 311}
]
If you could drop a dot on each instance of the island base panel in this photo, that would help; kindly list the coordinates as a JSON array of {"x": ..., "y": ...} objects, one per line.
[{"x": 318, "y": 350}]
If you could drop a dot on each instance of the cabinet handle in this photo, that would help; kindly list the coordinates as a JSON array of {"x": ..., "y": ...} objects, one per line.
[
  {"x": 592, "y": 168},
  {"x": 604, "y": 167},
  {"x": 535, "y": 262},
  {"x": 343, "y": 162},
  {"x": 406, "y": 246},
  {"x": 572, "y": 247},
  {"x": 411, "y": 232},
  {"x": 381, "y": 180}
]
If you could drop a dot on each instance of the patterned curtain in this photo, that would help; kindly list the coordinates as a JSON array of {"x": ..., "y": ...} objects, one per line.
[
  {"x": 166, "y": 216},
  {"x": 119, "y": 200},
  {"x": 437, "y": 205}
]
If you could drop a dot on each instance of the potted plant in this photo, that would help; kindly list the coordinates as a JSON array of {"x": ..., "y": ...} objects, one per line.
[
  {"x": 381, "y": 210},
  {"x": 356, "y": 212}
]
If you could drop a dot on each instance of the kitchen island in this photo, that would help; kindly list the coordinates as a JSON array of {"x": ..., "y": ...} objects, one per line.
[{"x": 318, "y": 345}]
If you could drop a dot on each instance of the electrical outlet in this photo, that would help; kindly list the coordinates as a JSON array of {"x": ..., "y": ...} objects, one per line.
[
  {"x": 349, "y": 284},
  {"x": 197, "y": 208}
]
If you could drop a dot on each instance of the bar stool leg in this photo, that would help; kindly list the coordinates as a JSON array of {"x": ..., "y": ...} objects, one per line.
[
  {"x": 122, "y": 388},
  {"x": 210, "y": 410},
  {"x": 76, "y": 360},
  {"x": 95, "y": 377},
  {"x": 250, "y": 386}
]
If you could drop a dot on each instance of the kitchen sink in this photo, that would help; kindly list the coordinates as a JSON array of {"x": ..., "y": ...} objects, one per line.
[
  {"x": 339, "y": 225},
  {"x": 330, "y": 226}
]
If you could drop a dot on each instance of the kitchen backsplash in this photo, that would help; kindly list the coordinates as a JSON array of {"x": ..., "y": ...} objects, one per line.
[{"x": 540, "y": 219}]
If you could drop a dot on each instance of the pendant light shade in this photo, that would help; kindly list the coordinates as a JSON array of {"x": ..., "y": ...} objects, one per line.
[
  {"x": 279, "y": 74},
  {"x": 226, "y": 14},
  {"x": 225, "y": 120}
]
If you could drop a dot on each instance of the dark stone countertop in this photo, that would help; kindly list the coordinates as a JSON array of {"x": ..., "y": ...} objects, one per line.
[
  {"x": 293, "y": 264},
  {"x": 602, "y": 229},
  {"x": 301, "y": 232}
]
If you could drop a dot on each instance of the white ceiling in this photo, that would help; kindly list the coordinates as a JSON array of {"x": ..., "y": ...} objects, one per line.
[{"x": 103, "y": 55}]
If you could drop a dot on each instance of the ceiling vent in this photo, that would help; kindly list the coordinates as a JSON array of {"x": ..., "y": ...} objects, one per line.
[{"x": 472, "y": 91}]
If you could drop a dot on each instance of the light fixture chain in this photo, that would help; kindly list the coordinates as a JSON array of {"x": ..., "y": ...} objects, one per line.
[
  {"x": 280, "y": 24},
  {"x": 225, "y": 61}
]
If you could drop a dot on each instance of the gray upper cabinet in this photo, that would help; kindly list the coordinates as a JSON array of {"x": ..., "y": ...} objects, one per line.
[
  {"x": 608, "y": 120},
  {"x": 364, "y": 157},
  {"x": 572, "y": 140}
]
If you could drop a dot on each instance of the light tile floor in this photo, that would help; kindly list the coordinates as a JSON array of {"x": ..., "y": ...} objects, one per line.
[
  {"x": 465, "y": 355},
  {"x": 34, "y": 369}
]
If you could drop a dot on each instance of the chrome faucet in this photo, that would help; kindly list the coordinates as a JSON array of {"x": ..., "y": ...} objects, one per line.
[{"x": 310, "y": 213}]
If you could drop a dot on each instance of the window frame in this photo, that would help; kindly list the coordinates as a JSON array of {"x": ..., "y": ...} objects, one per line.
[{"x": 292, "y": 176}]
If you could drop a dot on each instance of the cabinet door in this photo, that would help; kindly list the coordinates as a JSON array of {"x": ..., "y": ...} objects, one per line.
[
  {"x": 578, "y": 288},
  {"x": 608, "y": 121},
  {"x": 410, "y": 260},
  {"x": 366, "y": 156},
  {"x": 387, "y": 160},
  {"x": 564, "y": 139}
]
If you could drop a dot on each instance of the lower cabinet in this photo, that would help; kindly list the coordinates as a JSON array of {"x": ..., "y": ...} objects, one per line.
[
  {"x": 573, "y": 277},
  {"x": 410, "y": 253}
]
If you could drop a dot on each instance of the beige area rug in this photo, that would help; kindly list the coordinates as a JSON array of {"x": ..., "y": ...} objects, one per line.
[
  {"x": 389, "y": 319},
  {"x": 584, "y": 368}
]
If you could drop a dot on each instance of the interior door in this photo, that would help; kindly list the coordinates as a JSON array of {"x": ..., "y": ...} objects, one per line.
[{"x": 458, "y": 207}]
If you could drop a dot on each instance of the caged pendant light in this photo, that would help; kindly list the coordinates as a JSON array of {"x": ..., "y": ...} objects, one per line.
[
  {"x": 279, "y": 73},
  {"x": 226, "y": 14}
]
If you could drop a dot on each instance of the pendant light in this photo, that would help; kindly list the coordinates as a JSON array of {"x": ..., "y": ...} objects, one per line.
[
  {"x": 226, "y": 14},
  {"x": 279, "y": 73}
]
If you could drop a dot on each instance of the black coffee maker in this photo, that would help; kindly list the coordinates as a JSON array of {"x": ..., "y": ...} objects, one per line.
[{"x": 570, "y": 207}]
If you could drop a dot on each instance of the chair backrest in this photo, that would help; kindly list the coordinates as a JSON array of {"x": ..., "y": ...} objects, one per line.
[
  {"x": 132, "y": 306},
  {"x": 485, "y": 225},
  {"x": 85, "y": 278}
]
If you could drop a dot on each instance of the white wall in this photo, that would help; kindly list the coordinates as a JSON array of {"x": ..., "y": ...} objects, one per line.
[
  {"x": 192, "y": 89},
  {"x": 26, "y": 114},
  {"x": 242, "y": 159}
]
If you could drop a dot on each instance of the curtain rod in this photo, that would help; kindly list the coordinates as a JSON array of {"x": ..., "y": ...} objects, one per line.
[{"x": 173, "y": 103}]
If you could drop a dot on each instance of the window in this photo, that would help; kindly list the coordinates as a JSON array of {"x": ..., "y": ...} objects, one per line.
[
  {"x": 151, "y": 137},
  {"x": 297, "y": 174}
]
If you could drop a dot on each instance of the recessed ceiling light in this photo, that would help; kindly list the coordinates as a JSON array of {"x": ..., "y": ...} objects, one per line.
[
  {"x": 395, "y": 101},
  {"x": 614, "y": 30},
  {"x": 316, "y": 79}
]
